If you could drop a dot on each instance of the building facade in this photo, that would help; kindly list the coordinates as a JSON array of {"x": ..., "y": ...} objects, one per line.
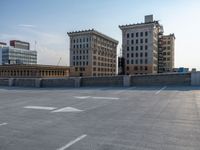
[
  {"x": 33, "y": 71},
  {"x": 168, "y": 52},
  {"x": 16, "y": 55},
  {"x": 142, "y": 47},
  {"x": 92, "y": 53},
  {"x": 20, "y": 44}
]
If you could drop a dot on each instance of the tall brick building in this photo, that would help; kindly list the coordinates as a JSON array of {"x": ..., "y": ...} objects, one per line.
[
  {"x": 92, "y": 53},
  {"x": 142, "y": 47}
]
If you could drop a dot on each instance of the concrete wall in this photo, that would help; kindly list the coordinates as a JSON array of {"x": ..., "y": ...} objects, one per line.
[
  {"x": 111, "y": 81},
  {"x": 161, "y": 79},
  {"x": 23, "y": 82},
  {"x": 195, "y": 78},
  {"x": 68, "y": 82},
  {"x": 4, "y": 82}
]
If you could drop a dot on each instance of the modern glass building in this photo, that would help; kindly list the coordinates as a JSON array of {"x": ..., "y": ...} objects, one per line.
[{"x": 11, "y": 55}]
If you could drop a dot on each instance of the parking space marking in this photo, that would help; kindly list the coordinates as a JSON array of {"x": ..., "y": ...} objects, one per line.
[
  {"x": 161, "y": 90},
  {"x": 82, "y": 97},
  {"x": 95, "y": 97},
  {"x": 67, "y": 109},
  {"x": 40, "y": 107},
  {"x": 72, "y": 142},
  {"x": 3, "y": 124},
  {"x": 109, "y": 98}
]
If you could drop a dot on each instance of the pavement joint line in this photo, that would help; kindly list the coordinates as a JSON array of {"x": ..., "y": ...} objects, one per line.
[
  {"x": 3, "y": 124},
  {"x": 40, "y": 107},
  {"x": 72, "y": 142},
  {"x": 161, "y": 90}
]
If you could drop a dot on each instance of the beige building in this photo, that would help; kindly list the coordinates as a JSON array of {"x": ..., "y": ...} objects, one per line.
[
  {"x": 140, "y": 46},
  {"x": 33, "y": 71},
  {"x": 92, "y": 53},
  {"x": 168, "y": 52}
]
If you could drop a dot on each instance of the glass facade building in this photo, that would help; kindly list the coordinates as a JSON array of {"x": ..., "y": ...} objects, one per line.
[{"x": 11, "y": 55}]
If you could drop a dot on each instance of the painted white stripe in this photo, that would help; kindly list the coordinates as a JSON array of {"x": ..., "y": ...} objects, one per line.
[
  {"x": 67, "y": 109},
  {"x": 160, "y": 90},
  {"x": 40, "y": 107},
  {"x": 85, "y": 97},
  {"x": 3, "y": 124},
  {"x": 72, "y": 142},
  {"x": 112, "y": 98},
  {"x": 82, "y": 97}
]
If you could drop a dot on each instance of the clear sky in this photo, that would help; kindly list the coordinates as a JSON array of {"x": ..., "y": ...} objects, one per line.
[{"x": 48, "y": 21}]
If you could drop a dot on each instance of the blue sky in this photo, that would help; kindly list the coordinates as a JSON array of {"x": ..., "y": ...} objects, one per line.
[{"x": 48, "y": 21}]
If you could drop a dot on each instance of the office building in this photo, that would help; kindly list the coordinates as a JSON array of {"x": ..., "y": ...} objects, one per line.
[
  {"x": 92, "y": 53},
  {"x": 19, "y": 54},
  {"x": 168, "y": 52},
  {"x": 20, "y": 44},
  {"x": 142, "y": 47}
]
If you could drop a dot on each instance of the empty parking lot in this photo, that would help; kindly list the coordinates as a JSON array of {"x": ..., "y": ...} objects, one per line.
[{"x": 136, "y": 118}]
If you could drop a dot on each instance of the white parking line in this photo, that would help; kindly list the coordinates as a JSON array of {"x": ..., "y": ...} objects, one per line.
[
  {"x": 72, "y": 142},
  {"x": 112, "y": 98},
  {"x": 161, "y": 90},
  {"x": 40, "y": 107},
  {"x": 85, "y": 97},
  {"x": 3, "y": 124},
  {"x": 67, "y": 109}
]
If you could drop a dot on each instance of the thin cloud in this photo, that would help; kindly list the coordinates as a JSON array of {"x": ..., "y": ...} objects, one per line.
[{"x": 26, "y": 25}]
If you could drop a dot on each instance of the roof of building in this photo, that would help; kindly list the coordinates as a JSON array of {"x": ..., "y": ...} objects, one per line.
[
  {"x": 38, "y": 66},
  {"x": 138, "y": 24},
  {"x": 91, "y": 31}
]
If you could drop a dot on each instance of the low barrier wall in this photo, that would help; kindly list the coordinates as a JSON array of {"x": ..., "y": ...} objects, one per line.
[
  {"x": 183, "y": 79},
  {"x": 161, "y": 79},
  {"x": 115, "y": 81}
]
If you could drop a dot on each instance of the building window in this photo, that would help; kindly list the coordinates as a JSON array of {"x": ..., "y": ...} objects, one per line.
[
  {"x": 132, "y": 48},
  {"x": 141, "y": 41},
  {"x": 136, "y": 68},
  {"x": 146, "y": 33},
  {"x": 136, "y": 61},
  {"x": 141, "y": 34},
  {"x": 146, "y": 40},
  {"x": 127, "y": 35},
  {"x": 141, "y": 54},
  {"x": 132, "y": 35},
  {"x": 137, "y": 34},
  {"x": 132, "y": 54},
  {"x": 127, "y": 61},
  {"x": 146, "y": 54},
  {"x": 141, "y": 48},
  {"x": 136, "y": 41},
  {"x": 136, "y": 48},
  {"x": 131, "y": 61},
  {"x": 141, "y": 61},
  {"x": 145, "y": 68},
  {"x": 146, "y": 47},
  {"x": 132, "y": 41},
  {"x": 136, "y": 54},
  {"x": 146, "y": 61},
  {"x": 127, "y": 48},
  {"x": 127, "y": 68},
  {"x": 127, "y": 55}
]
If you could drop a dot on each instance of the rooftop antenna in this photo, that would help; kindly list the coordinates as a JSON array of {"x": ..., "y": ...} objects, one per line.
[{"x": 59, "y": 61}]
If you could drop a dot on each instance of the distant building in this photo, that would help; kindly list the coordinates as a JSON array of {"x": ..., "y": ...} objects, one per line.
[
  {"x": 17, "y": 55},
  {"x": 142, "y": 47},
  {"x": 180, "y": 70},
  {"x": 92, "y": 53},
  {"x": 168, "y": 52},
  {"x": 20, "y": 44},
  {"x": 33, "y": 71}
]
